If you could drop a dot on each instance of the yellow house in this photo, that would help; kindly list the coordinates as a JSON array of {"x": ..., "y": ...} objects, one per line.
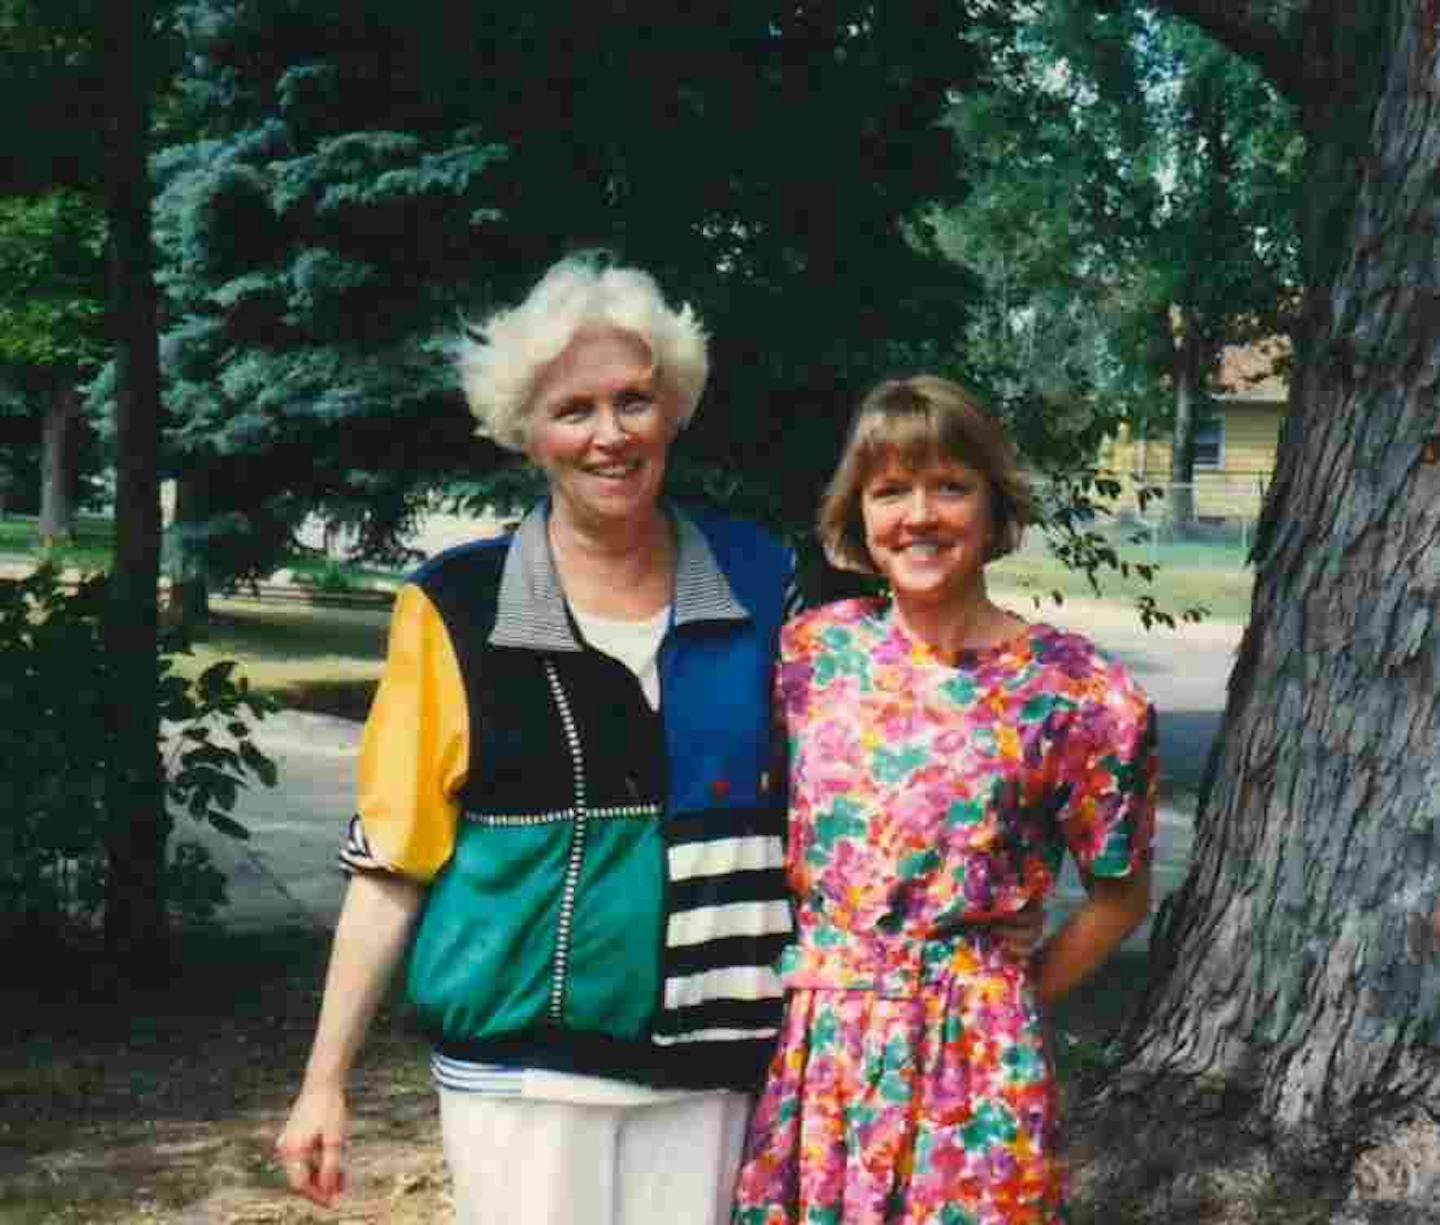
[{"x": 1234, "y": 448}]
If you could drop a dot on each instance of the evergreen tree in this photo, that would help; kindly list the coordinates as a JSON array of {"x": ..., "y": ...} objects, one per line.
[
  {"x": 354, "y": 182},
  {"x": 323, "y": 228}
]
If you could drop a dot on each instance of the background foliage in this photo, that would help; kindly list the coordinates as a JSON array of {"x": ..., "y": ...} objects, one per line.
[{"x": 58, "y": 739}]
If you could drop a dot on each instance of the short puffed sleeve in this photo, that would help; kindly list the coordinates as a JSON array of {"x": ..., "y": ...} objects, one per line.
[
  {"x": 414, "y": 753},
  {"x": 1107, "y": 774}
]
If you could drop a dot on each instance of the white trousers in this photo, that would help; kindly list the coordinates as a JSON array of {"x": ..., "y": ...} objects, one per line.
[{"x": 517, "y": 1161}]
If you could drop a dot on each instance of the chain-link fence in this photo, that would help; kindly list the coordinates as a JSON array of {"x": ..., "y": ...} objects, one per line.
[
  {"x": 1217, "y": 512},
  {"x": 1180, "y": 546},
  {"x": 1210, "y": 520}
]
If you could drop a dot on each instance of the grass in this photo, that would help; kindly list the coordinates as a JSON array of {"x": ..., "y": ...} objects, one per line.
[
  {"x": 328, "y": 574},
  {"x": 91, "y": 548},
  {"x": 325, "y": 660},
  {"x": 321, "y": 659},
  {"x": 1190, "y": 573}
]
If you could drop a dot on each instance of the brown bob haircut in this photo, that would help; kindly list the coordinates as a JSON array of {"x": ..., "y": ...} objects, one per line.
[{"x": 920, "y": 421}]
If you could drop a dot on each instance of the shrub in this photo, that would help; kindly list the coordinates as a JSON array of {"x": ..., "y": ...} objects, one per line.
[{"x": 56, "y": 742}]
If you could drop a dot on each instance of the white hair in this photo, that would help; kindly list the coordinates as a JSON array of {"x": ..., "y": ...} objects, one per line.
[{"x": 500, "y": 360}]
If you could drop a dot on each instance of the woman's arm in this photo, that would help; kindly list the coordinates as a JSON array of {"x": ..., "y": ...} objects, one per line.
[
  {"x": 1085, "y": 941},
  {"x": 370, "y": 939}
]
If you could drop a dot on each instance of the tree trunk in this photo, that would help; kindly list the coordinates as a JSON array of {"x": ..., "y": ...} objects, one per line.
[
  {"x": 1296, "y": 960},
  {"x": 189, "y": 572},
  {"x": 1190, "y": 365},
  {"x": 59, "y": 465},
  {"x": 135, "y": 928}
]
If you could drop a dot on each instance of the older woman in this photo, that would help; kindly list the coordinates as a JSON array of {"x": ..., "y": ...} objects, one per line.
[
  {"x": 568, "y": 811},
  {"x": 945, "y": 753}
]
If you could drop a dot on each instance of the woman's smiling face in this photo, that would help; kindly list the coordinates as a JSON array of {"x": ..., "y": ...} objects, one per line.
[
  {"x": 601, "y": 427},
  {"x": 929, "y": 528}
]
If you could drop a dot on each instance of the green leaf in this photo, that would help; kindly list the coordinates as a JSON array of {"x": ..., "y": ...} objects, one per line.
[
  {"x": 260, "y": 765},
  {"x": 227, "y": 825},
  {"x": 216, "y": 676}
]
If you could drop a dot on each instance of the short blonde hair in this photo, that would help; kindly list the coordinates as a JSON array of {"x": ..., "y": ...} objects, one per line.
[
  {"x": 500, "y": 359},
  {"x": 921, "y": 420}
]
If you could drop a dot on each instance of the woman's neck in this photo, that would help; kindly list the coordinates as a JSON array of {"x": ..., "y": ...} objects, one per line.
[
  {"x": 964, "y": 621},
  {"x": 625, "y": 570}
]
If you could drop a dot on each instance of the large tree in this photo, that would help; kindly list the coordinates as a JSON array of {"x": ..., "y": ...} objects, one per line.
[
  {"x": 78, "y": 77},
  {"x": 51, "y": 270},
  {"x": 137, "y": 823},
  {"x": 1296, "y": 961},
  {"x": 52, "y": 306}
]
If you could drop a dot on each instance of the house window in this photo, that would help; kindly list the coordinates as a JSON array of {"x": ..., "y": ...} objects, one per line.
[{"x": 1210, "y": 443}]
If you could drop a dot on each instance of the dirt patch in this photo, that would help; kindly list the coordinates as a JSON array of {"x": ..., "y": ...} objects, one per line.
[{"x": 163, "y": 1106}]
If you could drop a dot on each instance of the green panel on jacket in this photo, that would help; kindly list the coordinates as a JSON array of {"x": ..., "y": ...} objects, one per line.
[
  {"x": 615, "y": 955},
  {"x": 493, "y": 979},
  {"x": 474, "y": 976}
]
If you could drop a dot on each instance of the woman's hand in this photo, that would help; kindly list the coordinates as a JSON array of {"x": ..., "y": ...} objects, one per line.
[
  {"x": 1019, "y": 934},
  {"x": 311, "y": 1149}
]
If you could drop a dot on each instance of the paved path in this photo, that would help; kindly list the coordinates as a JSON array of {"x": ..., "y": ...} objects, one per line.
[{"x": 287, "y": 872}]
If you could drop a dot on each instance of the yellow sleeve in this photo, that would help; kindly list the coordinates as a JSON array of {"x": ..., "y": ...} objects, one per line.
[{"x": 415, "y": 749}]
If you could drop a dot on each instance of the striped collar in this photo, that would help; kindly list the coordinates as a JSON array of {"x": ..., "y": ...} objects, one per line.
[{"x": 530, "y": 610}]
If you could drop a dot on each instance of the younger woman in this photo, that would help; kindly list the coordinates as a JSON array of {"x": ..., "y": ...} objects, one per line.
[{"x": 944, "y": 754}]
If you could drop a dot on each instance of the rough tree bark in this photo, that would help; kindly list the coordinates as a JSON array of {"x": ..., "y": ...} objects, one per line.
[
  {"x": 1297, "y": 960},
  {"x": 136, "y": 937}
]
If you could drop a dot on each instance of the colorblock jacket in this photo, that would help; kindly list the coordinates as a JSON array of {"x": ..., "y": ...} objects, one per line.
[{"x": 606, "y": 888}]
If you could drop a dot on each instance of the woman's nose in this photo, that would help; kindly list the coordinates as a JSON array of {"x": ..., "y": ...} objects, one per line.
[
  {"x": 918, "y": 507},
  {"x": 609, "y": 428}
]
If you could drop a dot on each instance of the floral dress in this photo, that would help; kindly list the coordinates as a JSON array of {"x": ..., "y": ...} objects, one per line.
[{"x": 928, "y": 796}]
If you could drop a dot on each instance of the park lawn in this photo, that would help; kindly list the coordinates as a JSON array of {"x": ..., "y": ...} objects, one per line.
[
  {"x": 316, "y": 658},
  {"x": 327, "y": 660},
  {"x": 91, "y": 549},
  {"x": 1191, "y": 573},
  {"x": 1032, "y": 578}
]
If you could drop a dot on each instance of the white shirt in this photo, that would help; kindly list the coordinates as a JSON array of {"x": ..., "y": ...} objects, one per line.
[{"x": 636, "y": 644}]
